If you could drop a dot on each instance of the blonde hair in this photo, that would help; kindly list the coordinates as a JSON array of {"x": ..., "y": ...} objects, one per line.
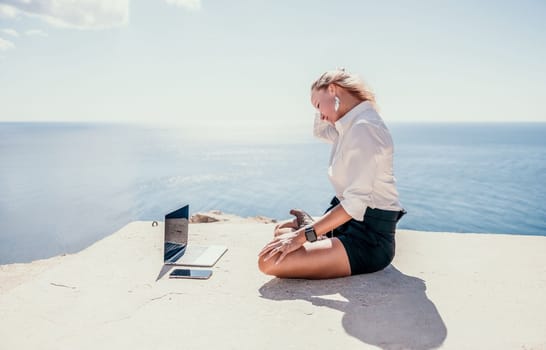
[{"x": 350, "y": 82}]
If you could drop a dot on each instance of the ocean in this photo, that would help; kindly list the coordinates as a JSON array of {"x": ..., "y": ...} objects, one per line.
[{"x": 64, "y": 186}]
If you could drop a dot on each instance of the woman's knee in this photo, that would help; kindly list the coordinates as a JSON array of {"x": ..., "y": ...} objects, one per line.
[
  {"x": 267, "y": 266},
  {"x": 286, "y": 268}
]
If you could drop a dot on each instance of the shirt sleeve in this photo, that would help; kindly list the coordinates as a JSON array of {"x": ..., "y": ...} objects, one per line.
[
  {"x": 360, "y": 162},
  {"x": 324, "y": 130}
]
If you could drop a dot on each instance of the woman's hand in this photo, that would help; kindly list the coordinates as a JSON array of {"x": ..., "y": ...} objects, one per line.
[{"x": 283, "y": 244}]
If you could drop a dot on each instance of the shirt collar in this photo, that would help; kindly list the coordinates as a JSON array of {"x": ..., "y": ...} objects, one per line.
[{"x": 345, "y": 122}]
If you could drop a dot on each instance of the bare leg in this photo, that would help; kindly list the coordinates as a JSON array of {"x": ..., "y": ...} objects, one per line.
[{"x": 321, "y": 259}]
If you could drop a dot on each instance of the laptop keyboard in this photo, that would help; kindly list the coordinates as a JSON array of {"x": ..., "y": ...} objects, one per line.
[{"x": 173, "y": 251}]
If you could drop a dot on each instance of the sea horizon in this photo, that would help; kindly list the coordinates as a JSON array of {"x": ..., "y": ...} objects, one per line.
[{"x": 65, "y": 185}]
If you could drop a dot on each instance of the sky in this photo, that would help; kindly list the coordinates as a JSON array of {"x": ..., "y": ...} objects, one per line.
[{"x": 222, "y": 62}]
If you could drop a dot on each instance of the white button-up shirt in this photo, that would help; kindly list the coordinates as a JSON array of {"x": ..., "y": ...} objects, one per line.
[{"x": 361, "y": 162}]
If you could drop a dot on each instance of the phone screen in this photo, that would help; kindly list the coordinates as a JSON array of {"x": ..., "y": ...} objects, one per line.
[{"x": 190, "y": 273}]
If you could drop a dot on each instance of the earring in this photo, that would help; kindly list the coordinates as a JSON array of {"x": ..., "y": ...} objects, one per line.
[{"x": 336, "y": 103}]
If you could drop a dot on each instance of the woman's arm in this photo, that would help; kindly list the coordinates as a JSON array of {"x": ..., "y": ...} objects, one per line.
[
  {"x": 289, "y": 242},
  {"x": 324, "y": 130},
  {"x": 332, "y": 219}
]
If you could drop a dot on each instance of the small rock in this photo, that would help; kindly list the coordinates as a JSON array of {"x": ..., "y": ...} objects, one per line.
[
  {"x": 202, "y": 219},
  {"x": 264, "y": 219}
]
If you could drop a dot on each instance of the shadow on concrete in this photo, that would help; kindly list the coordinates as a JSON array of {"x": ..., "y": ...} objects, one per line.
[
  {"x": 163, "y": 271},
  {"x": 387, "y": 309}
]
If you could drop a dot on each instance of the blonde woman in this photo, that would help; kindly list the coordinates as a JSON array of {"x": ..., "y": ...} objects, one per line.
[{"x": 356, "y": 234}]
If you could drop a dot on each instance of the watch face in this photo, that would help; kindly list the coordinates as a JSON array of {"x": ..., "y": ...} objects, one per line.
[{"x": 310, "y": 234}]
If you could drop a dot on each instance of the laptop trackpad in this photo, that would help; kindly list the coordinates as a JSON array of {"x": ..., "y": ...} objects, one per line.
[{"x": 205, "y": 256}]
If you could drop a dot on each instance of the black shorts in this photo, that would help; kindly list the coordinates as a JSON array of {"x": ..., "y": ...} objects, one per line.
[{"x": 370, "y": 243}]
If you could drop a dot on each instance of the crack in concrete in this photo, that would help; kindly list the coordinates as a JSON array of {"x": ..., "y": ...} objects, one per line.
[{"x": 62, "y": 285}]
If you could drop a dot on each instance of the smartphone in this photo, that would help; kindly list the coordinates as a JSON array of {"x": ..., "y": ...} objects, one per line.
[{"x": 191, "y": 273}]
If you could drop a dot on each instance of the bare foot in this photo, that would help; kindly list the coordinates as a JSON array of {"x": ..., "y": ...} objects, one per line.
[
  {"x": 287, "y": 226},
  {"x": 302, "y": 218},
  {"x": 282, "y": 231}
]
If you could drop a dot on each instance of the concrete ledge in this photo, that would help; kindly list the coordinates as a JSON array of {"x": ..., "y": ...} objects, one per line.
[{"x": 443, "y": 290}]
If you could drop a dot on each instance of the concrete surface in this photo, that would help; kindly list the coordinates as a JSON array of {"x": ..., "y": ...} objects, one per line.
[{"x": 443, "y": 290}]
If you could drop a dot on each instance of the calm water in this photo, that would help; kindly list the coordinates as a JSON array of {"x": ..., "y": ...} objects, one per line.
[{"x": 64, "y": 186}]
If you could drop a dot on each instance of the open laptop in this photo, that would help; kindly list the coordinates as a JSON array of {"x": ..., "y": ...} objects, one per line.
[{"x": 178, "y": 252}]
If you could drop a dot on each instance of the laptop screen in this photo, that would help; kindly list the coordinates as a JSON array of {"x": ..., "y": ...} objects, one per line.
[{"x": 176, "y": 234}]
